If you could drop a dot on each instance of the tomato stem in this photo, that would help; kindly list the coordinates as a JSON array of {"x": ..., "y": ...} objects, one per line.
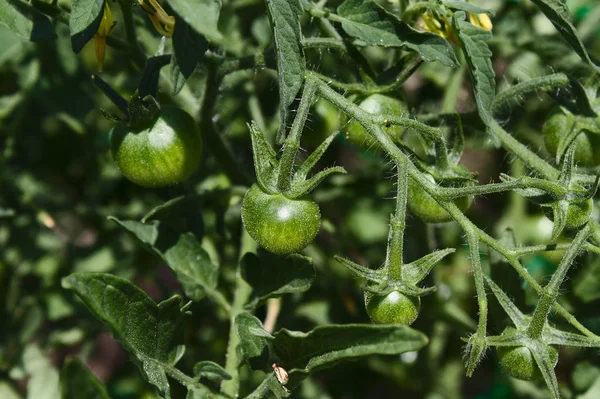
[{"x": 394, "y": 261}]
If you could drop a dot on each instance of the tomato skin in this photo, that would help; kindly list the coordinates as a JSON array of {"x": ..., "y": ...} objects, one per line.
[
  {"x": 578, "y": 214},
  {"x": 279, "y": 224},
  {"x": 427, "y": 209},
  {"x": 393, "y": 308},
  {"x": 587, "y": 152},
  {"x": 519, "y": 363},
  {"x": 163, "y": 154},
  {"x": 376, "y": 104}
]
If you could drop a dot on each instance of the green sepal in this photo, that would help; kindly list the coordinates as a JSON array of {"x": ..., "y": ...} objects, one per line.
[
  {"x": 386, "y": 287},
  {"x": 313, "y": 158},
  {"x": 376, "y": 276},
  {"x": 265, "y": 159},
  {"x": 414, "y": 272},
  {"x": 300, "y": 188},
  {"x": 539, "y": 350},
  {"x": 515, "y": 315}
]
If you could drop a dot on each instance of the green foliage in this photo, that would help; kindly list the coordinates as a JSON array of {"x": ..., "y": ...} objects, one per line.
[{"x": 217, "y": 283}]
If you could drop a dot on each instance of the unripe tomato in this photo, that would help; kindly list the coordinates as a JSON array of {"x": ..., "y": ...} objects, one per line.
[
  {"x": 427, "y": 209},
  {"x": 376, "y": 104},
  {"x": 279, "y": 224},
  {"x": 393, "y": 308},
  {"x": 587, "y": 152},
  {"x": 162, "y": 154},
  {"x": 518, "y": 362},
  {"x": 578, "y": 214}
]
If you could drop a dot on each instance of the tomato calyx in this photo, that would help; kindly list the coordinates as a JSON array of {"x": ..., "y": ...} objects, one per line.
[{"x": 142, "y": 109}]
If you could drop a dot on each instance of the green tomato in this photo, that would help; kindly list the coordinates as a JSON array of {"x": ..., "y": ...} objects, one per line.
[
  {"x": 519, "y": 363},
  {"x": 427, "y": 209},
  {"x": 323, "y": 121},
  {"x": 279, "y": 224},
  {"x": 376, "y": 104},
  {"x": 162, "y": 154},
  {"x": 393, "y": 308},
  {"x": 578, "y": 214},
  {"x": 587, "y": 151}
]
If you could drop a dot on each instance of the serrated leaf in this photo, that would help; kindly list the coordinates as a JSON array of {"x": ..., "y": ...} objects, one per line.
[
  {"x": 479, "y": 60},
  {"x": 77, "y": 381},
  {"x": 188, "y": 49},
  {"x": 273, "y": 276},
  {"x": 284, "y": 16},
  {"x": 558, "y": 13},
  {"x": 25, "y": 21},
  {"x": 464, "y": 6},
  {"x": 253, "y": 341},
  {"x": 211, "y": 371},
  {"x": 183, "y": 253},
  {"x": 201, "y": 15},
  {"x": 84, "y": 21},
  {"x": 367, "y": 21},
  {"x": 302, "y": 354},
  {"x": 150, "y": 332}
]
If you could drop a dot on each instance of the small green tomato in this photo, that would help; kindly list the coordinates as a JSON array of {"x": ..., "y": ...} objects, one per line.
[
  {"x": 587, "y": 151},
  {"x": 578, "y": 214},
  {"x": 393, "y": 308},
  {"x": 162, "y": 154},
  {"x": 519, "y": 363},
  {"x": 376, "y": 104},
  {"x": 279, "y": 224},
  {"x": 427, "y": 209}
]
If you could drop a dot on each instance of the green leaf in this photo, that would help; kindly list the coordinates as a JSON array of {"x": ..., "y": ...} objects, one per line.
[
  {"x": 150, "y": 332},
  {"x": 558, "y": 13},
  {"x": 188, "y": 49},
  {"x": 302, "y": 354},
  {"x": 464, "y": 6},
  {"x": 291, "y": 65},
  {"x": 77, "y": 381},
  {"x": 84, "y": 21},
  {"x": 201, "y": 15},
  {"x": 182, "y": 252},
  {"x": 26, "y": 22},
  {"x": 273, "y": 276},
  {"x": 253, "y": 342},
  {"x": 367, "y": 21},
  {"x": 211, "y": 371},
  {"x": 479, "y": 60}
]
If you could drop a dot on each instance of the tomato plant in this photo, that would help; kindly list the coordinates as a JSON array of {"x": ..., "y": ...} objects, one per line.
[
  {"x": 294, "y": 166},
  {"x": 164, "y": 153}
]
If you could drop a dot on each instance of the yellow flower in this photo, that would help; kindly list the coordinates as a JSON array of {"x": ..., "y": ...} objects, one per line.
[
  {"x": 106, "y": 26},
  {"x": 481, "y": 20},
  {"x": 163, "y": 22}
]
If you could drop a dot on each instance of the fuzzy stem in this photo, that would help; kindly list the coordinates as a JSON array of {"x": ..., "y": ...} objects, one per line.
[
  {"x": 550, "y": 291},
  {"x": 394, "y": 260}
]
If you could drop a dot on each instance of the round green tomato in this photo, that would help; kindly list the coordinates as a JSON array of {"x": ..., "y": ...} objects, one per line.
[
  {"x": 427, "y": 209},
  {"x": 376, "y": 104},
  {"x": 518, "y": 361},
  {"x": 323, "y": 121},
  {"x": 578, "y": 214},
  {"x": 393, "y": 308},
  {"x": 587, "y": 151},
  {"x": 279, "y": 224},
  {"x": 162, "y": 154}
]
